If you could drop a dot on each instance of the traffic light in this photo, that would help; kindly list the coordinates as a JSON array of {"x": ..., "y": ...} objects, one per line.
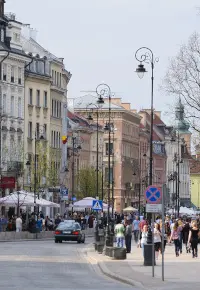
[{"x": 64, "y": 139}]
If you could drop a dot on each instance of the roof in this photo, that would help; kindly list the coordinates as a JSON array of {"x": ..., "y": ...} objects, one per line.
[
  {"x": 194, "y": 166},
  {"x": 91, "y": 101}
]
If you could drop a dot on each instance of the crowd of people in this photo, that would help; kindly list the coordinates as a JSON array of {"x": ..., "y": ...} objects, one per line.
[{"x": 180, "y": 231}]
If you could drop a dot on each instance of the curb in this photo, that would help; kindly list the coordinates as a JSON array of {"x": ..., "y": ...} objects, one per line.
[
  {"x": 31, "y": 240},
  {"x": 104, "y": 270}
]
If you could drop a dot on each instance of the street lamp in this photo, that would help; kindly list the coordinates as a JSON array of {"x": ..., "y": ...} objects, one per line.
[
  {"x": 148, "y": 57},
  {"x": 104, "y": 91},
  {"x": 39, "y": 135},
  {"x": 90, "y": 119},
  {"x": 76, "y": 147},
  {"x": 145, "y": 55}
]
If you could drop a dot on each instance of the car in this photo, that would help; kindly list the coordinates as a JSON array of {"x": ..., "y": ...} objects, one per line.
[{"x": 69, "y": 231}]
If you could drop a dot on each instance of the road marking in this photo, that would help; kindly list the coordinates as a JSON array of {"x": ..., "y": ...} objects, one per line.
[{"x": 24, "y": 258}]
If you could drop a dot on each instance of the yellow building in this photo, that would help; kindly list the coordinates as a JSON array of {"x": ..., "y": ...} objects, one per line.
[
  {"x": 195, "y": 183},
  {"x": 36, "y": 109}
]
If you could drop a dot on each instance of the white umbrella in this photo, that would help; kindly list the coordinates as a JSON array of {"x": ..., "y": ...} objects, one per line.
[
  {"x": 130, "y": 209},
  {"x": 24, "y": 198},
  {"x": 87, "y": 203}
]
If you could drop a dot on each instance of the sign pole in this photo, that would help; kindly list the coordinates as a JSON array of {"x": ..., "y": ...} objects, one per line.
[
  {"x": 153, "y": 248},
  {"x": 163, "y": 227}
]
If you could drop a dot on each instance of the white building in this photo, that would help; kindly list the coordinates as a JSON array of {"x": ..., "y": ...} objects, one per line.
[
  {"x": 178, "y": 159},
  {"x": 13, "y": 61}
]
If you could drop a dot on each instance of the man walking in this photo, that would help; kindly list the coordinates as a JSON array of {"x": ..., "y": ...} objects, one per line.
[
  {"x": 119, "y": 233},
  {"x": 136, "y": 223}
]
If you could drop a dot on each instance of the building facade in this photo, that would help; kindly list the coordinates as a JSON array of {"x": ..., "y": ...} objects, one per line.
[
  {"x": 124, "y": 148},
  {"x": 12, "y": 66}
]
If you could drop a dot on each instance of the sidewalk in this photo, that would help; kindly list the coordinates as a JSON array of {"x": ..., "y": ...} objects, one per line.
[{"x": 181, "y": 273}]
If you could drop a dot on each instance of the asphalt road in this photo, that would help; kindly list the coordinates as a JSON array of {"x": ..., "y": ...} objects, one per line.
[{"x": 45, "y": 265}]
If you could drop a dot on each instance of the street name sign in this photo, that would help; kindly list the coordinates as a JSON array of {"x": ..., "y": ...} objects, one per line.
[{"x": 153, "y": 207}]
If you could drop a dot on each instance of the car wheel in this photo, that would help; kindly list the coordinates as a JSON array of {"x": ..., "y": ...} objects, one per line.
[
  {"x": 56, "y": 241},
  {"x": 79, "y": 241},
  {"x": 83, "y": 241},
  {"x": 60, "y": 241}
]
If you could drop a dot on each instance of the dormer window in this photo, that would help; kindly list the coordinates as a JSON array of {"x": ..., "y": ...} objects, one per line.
[{"x": 16, "y": 37}]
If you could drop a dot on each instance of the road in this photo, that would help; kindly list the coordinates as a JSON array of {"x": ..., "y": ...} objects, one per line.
[{"x": 45, "y": 265}]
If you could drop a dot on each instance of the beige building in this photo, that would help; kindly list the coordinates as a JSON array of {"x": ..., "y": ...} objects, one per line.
[
  {"x": 46, "y": 96},
  {"x": 125, "y": 147}
]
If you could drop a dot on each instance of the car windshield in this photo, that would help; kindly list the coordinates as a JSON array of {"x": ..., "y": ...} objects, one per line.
[{"x": 64, "y": 226}]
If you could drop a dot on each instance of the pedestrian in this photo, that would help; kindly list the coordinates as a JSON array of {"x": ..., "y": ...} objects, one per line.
[
  {"x": 136, "y": 228},
  {"x": 185, "y": 232},
  {"x": 119, "y": 233},
  {"x": 18, "y": 224},
  {"x": 143, "y": 239},
  {"x": 193, "y": 238},
  {"x": 175, "y": 238},
  {"x": 157, "y": 239},
  {"x": 128, "y": 235}
]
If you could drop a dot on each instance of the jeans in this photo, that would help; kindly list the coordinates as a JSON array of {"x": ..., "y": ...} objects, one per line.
[
  {"x": 177, "y": 245},
  {"x": 120, "y": 242},
  {"x": 128, "y": 243},
  {"x": 136, "y": 234},
  {"x": 18, "y": 229}
]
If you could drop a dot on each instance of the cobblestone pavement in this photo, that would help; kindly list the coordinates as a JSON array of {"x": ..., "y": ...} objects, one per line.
[{"x": 45, "y": 265}]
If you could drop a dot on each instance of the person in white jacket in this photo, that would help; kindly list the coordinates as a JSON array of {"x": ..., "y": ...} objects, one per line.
[{"x": 18, "y": 224}]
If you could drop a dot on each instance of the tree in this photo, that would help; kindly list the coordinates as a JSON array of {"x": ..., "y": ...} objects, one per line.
[
  {"x": 87, "y": 182},
  {"x": 47, "y": 167},
  {"x": 183, "y": 79}
]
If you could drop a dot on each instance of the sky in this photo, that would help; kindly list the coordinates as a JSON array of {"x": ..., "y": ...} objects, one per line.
[{"x": 98, "y": 40}]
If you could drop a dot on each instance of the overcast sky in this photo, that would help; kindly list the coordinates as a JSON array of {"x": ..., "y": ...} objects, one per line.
[{"x": 98, "y": 40}]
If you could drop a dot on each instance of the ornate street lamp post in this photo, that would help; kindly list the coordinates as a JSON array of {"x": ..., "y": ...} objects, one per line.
[
  {"x": 104, "y": 91},
  {"x": 145, "y": 55}
]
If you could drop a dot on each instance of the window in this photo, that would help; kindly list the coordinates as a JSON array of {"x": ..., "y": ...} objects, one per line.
[
  {"x": 57, "y": 141},
  {"x": 45, "y": 131},
  {"x": 19, "y": 108},
  {"x": 60, "y": 84},
  {"x": 19, "y": 76},
  {"x": 54, "y": 139},
  {"x": 109, "y": 177},
  {"x": 37, "y": 131},
  {"x": 45, "y": 100},
  {"x": 12, "y": 106},
  {"x": 30, "y": 130},
  {"x": 51, "y": 138},
  {"x": 4, "y": 72},
  {"x": 30, "y": 97},
  {"x": 12, "y": 79},
  {"x": 52, "y": 107},
  {"x": 4, "y": 104},
  {"x": 38, "y": 98},
  {"x": 58, "y": 79},
  {"x": 52, "y": 76},
  {"x": 107, "y": 148}
]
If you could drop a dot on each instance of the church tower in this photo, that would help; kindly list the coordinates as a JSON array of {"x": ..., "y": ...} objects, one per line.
[{"x": 182, "y": 125}]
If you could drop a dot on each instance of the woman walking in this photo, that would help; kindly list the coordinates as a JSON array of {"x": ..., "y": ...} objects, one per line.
[
  {"x": 193, "y": 238},
  {"x": 157, "y": 239},
  {"x": 175, "y": 237},
  {"x": 143, "y": 238}
]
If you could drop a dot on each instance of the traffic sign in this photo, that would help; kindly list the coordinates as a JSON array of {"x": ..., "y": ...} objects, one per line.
[
  {"x": 153, "y": 194},
  {"x": 97, "y": 204},
  {"x": 154, "y": 208}
]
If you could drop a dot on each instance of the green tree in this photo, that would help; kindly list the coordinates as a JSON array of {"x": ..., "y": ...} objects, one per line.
[
  {"x": 87, "y": 183},
  {"x": 46, "y": 166},
  {"x": 183, "y": 79}
]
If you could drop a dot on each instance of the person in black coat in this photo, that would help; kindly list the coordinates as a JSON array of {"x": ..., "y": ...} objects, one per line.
[{"x": 185, "y": 233}]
